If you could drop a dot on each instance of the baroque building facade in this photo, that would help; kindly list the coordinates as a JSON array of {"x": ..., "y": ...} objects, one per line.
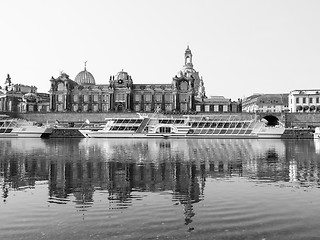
[
  {"x": 185, "y": 94},
  {"x": 22, "y": 98}
]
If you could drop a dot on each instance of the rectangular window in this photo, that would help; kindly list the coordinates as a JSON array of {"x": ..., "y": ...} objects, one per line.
[
  {"x": 225, "y": 108},
  {"x": 137, "y": 108},
  {"x": 297, "y": 100},
  {"x": 75, "y": 98},
  {"x": 183, "y": 107},
  {"x": 147, "y": 98},
  {"x": 198, "y": 108},
  {"x": 183, "y": 97},
  {"x": 168, "y": 108},
  {"x": 317, "y": 100},
  {"x": 303, "y": 100},
  {"x": 105, "y": 98},
  {"x": 137, "y": 98},
  {"x": 158, "y": 98},
  {"x": 157, "y": 107},
  {"x": 105, "y": 107},
  {"x": 168, "y": 98},
  {"x": 147, "y": 108},
  {"x": 86, "y": 98},
  {"x": 75, "y": 107},
  {"x": 60, "y": 98},
  {"x": 207, "y": 108},
  {"x": 95, "y": 98},
  {"x": 120, "y": 97},
  {"x": 60, "y": 108}
]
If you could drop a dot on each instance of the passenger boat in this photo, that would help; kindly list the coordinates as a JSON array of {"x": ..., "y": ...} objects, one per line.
[
  {"x": 20, "y": 128},
  {"x": 191, "y": 126}
]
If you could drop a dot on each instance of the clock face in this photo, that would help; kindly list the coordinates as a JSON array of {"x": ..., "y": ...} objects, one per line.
[{"x": 120, "y": 81}]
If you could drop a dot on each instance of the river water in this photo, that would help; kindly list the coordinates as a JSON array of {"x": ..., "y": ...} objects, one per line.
[{"x": 159, "y": 189}]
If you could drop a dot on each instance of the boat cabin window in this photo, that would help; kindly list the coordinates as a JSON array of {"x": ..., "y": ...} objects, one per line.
[
  {"x": 119, "y": 121},
  {"x": 233, "y": 125},
  {"x": 220, "y": 125},
  {"x": 166, "y": 121},
  {"x": 132, "y": 120},
  {"x": 179, "y": 121},
  {"x": 164, "y": 129}
]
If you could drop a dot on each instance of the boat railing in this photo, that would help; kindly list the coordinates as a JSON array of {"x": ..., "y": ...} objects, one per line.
[{"x": 7, "y": 124}]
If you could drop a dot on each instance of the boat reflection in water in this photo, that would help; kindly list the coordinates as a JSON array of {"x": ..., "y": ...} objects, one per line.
[
  {"x": 84, "y": 172},
  {"x": 80, "y": 166}
]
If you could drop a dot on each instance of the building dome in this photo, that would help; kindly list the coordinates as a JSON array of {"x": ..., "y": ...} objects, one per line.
[
  {"x": 85, "y": 78},
  {"x": 121, "y": 76},
  {"x": 31, "y": 97},
  {"x": 186, "y": 71}
]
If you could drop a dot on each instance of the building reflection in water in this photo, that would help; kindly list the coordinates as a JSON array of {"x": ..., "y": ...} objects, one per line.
[{"x": 125, "y": 168}]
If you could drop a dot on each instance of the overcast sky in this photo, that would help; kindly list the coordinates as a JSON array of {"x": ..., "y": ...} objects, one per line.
[{"x": 239, "y": 47}]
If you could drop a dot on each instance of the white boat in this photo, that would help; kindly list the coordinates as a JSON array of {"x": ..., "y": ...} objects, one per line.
[
  {"x": 20, "y": 128},
  {"x": 192, "y": 126},
  {"x": 316, "y": 134}
]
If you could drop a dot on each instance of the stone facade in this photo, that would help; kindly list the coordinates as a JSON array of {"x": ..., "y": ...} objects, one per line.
[
  {"x": 22, "y": 98},
  {"x": 185, "y": 94}
]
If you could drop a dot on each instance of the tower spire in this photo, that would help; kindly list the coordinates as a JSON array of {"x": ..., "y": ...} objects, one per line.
[{"x": 188, "y": 58}]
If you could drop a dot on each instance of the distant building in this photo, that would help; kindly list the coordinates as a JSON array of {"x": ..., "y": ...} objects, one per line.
[
  {"x": 22, "y": 98},
  {"x": 265, "y": 103},
  {"x": 304, "y": 101},
  {"x": 185, "y": 94}
]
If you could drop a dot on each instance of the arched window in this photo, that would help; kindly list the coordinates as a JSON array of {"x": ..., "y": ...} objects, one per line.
[
  {"x": 184, "y": 86},
  {"x": 61, "y": 87}
]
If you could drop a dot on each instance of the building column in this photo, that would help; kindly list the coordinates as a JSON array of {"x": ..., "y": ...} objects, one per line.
[
  {"x": 111, "y": 101},
  {"x": 128, "y": 101}
]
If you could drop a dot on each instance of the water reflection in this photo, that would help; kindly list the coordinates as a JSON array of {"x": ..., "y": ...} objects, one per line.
[{"x": 124, "y": 169}]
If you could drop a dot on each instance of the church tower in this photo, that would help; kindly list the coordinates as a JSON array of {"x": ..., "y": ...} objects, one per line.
[{"x": 188, "y": 58}]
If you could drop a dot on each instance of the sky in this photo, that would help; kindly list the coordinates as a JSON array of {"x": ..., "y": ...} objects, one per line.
[{"x": 239, "y": 47}]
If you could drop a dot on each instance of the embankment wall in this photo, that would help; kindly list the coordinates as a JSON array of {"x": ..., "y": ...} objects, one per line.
[{"x": 303, "y": 120}]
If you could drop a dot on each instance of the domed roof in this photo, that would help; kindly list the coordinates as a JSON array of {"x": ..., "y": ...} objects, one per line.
[
  {"x": 186, "y": 71},
  {"x": 121, "y": 76},
  {"x": 85, "y": 78},
  {"x": 30, "y": 96}
]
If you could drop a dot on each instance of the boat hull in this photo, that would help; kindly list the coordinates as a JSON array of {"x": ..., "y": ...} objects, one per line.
[
  {"x": 24, "y": 133},
  {"x": 89, "y": 134}
]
